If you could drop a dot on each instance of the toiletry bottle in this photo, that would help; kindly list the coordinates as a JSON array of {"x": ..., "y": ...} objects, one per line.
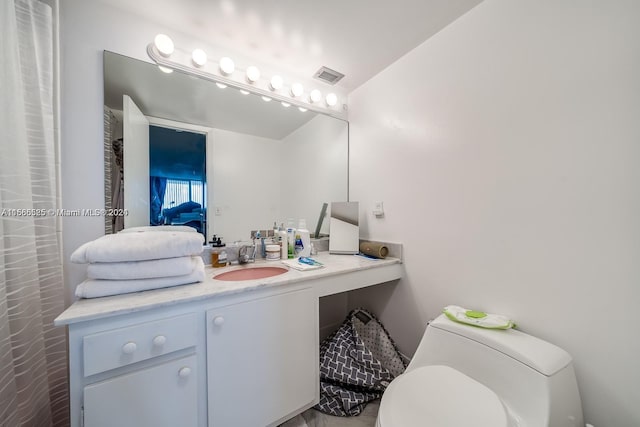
[
  {"x": 206, "y": 254},
  {"x": 218, "y": 254},
  {"x": 260, "y": 246},
  {"x": 298, "y": 246},
  {"x": 213, "y": 253},
  {"x": 291, "y": 239},
  {"x": 282, "y": 240},
  {"x": 305, "y": 239},
  {"x": 273, "y": 253}
]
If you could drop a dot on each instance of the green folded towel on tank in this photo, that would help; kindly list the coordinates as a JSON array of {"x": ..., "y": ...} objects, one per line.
[{"x": 478, "y": 318}]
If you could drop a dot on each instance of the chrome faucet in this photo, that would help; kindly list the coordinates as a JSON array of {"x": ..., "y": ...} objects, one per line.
[{"x": 246, "y": 253}]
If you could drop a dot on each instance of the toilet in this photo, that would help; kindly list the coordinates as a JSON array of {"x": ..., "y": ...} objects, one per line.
[{"x": 464, "y": 375}]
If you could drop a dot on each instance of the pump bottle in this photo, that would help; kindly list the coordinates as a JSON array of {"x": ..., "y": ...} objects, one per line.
[
  {"x": 303, "y": 247},
  {"x": 282, "y": 240},
  {"x": 291, "y": 239}
]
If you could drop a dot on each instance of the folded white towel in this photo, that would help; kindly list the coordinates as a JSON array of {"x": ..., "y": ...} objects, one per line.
[
  {"x": 139, "y": 247},
  {"x": 158, "y": 228},
  {"x": 168, "y": 267},
  {"x": 94, "y": 288}
]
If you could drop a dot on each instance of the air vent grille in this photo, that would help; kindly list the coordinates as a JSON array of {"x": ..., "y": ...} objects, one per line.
[{"x": 328, "y": 75}]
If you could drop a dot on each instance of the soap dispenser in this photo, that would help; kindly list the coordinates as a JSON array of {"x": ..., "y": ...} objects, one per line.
[{"x": 218, "y": 253}]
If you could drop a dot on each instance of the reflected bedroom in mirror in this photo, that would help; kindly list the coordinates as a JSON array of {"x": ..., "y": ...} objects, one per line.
[
  {"x": 177, "y": 178},
  {"x": 181, "y": 150}
]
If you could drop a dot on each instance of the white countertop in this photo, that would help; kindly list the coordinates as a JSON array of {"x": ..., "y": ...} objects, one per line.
[{"x": 95, "y": 308}]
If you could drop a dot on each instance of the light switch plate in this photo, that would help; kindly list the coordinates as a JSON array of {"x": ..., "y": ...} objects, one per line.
[{"x": 378, "y": 209}]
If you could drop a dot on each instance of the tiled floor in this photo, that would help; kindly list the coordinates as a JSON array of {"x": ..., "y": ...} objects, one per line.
[{"x": 313, "y": 418}]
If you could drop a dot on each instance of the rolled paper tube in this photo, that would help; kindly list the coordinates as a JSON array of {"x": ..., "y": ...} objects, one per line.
[{"x": 374, "y": 249}]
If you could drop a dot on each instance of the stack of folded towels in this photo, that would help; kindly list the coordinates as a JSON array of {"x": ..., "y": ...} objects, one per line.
[{"x": 140, "y": 258}]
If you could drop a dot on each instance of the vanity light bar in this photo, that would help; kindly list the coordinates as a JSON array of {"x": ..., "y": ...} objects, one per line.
[
  {"x": 227, "y": 67},
  {"x": 162, "y": 49},
  {"x": 276, "y": 83},
  {"x": 297, "y": 90},
  {"x": 164, "y": 45},
  {"x": 199, "y": 57},
  {"x": 253, "y": 74}
]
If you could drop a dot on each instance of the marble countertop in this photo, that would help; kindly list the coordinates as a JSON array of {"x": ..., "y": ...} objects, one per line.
[{"x": 95, "y": 308}]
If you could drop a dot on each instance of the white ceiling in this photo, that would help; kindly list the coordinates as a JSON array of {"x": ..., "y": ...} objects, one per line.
[{"x": 356, "y": 37}]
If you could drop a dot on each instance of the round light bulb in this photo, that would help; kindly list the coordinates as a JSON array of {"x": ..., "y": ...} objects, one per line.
[
  {"x": 165, "y": 69},
  {"x": 266, "y": 99},
  {"x": 285, "y": 104},
  {"x": 276, "y": 83},
  {"x": 227, "y": 66},
  {"x": 199, "y": 57},
  {"x": 164, "y": 44},
  {"x": 221, "y": 85},
  {"x": 244, "y": 92},
  {"x": 315, "y": 95},
  {"x": 297, "y": 89},
  {"x": 253, "y": 74},
  {"x": 302, "y": 109},
  {"x": 331, "y": 99}
]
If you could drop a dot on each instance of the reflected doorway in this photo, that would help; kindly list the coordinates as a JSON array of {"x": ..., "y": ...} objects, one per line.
[{"x": 177, "y": 178}]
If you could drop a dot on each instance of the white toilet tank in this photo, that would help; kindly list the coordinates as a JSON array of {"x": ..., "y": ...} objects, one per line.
[{"x": 533, "y": 378}]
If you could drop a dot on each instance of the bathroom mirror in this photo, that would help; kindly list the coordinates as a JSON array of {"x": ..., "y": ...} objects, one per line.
[{"x": 264, "y": 162}]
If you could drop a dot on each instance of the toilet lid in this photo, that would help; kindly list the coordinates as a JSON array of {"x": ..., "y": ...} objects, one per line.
[{"x": 439, "y": 396}]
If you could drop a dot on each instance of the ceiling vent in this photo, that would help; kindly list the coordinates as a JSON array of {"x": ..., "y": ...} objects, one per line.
[{"x": 328, "y": 75}]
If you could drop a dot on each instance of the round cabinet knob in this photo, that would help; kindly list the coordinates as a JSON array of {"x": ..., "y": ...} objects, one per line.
[
  {"x": 159, "y": 340},
  {"x": 129, "y": 348},
  {"x": 184, "y": 372},
  {"x": 218, "y": 320}
]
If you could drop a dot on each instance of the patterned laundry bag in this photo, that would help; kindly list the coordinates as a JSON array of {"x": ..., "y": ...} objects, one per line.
[{"x": 357, "y": 363}]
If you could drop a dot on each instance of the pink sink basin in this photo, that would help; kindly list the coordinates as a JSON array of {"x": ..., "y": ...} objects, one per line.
[{"x": 250, "y": 273}]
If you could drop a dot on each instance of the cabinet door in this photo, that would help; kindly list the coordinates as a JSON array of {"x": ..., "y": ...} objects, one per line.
[
  {"x": 262, "y": 361},
  {"x": 163, "y": 395}
]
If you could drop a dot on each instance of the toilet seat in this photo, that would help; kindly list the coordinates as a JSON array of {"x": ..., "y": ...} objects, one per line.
[{"x": 440, "y": 396}]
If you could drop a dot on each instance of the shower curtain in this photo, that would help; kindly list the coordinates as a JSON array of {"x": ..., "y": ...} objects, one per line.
[
  {"x": 117, "y": 185},
  {"x": 33, "y": 353},
  {"x": 158, "y": 187}
]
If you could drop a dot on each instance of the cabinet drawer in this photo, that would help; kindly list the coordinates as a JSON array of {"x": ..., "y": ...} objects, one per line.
[
  {"x": 165, "y": 395},
  {"x": 120, "y": 347}
]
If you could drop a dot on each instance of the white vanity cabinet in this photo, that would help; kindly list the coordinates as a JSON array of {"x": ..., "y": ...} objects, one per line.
[
  {"x": 242, "y": 360},
  {"x": 136, "y": 371},
  {"x": 262, "y": 359},
  {"x": 211, "y": 354}
]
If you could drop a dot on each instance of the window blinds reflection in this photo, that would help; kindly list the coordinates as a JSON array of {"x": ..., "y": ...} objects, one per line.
[{"x": 180, "y": 191}]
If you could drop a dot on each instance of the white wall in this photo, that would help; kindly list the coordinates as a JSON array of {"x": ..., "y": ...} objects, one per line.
[
  {"x": 245, "y": 188},
  {"x": 506, "y": 149}
]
